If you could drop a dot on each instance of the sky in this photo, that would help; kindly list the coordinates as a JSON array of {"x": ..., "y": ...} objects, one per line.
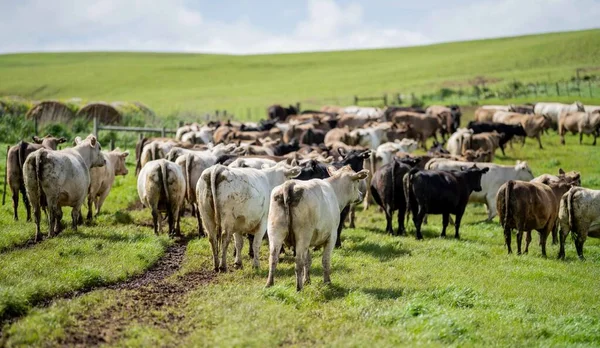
[{"x": 260, "y": 26}]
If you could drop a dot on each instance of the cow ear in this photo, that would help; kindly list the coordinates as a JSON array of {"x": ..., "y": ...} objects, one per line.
[
  {"x": 485, "y": 170},
  {"x": 561, "y": 171},
  {"x": 463, "y": 168},
  {"x": 36, "y": 139},
  {"x": 342, "y": 152},
  {"x": 62, "y": 140},
  {"x": 328, "y": 160},
  {"x": 77, "y": 141},
  {"x": 293, "y": 172},
  {"x": 360, "y": 175},
  {"x": 366, "y": 154},
  {"x": 125, "y": 154},
  {"x": 292, "y": 162},
  {"x": 93, "y": 141}
]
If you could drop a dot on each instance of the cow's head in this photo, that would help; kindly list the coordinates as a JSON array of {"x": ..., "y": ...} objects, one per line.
[
  {"x": 524, "y": 173},
  {"x": 49, "y": 141},
  {"x": 349, "y": 190},
  {"x": 579, "y": 106},
  {"x": 474, "y": 175},
  {"x": 571, "y": 177},
  {"x": 118, "y": 161},
  {"x": 90, "y": 148}
]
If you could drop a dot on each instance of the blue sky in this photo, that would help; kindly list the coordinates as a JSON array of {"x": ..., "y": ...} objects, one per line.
[{"x": 245, "y": 26}]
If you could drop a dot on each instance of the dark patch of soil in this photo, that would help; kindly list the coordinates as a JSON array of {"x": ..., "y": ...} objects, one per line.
[{"x": 151, "y": 299}]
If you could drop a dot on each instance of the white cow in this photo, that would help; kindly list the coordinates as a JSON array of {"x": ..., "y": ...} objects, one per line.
[
  {"x": 456, "y": 140},
  {"x": 155, "y": 150},
  {"x": 579, "y": 213},
  {"x": 591, "y": 108},
  {"x": 204, "y": 135},
  {"x": 385, "y": 152},
  {"x": 306, "y": 214},
  {"x": 364, "y": 111},
  {"x": 161, "y": 187},
  {"x": 235, "y": 202},
  {"x": 252, "y": 162},
  {"x": 554, "y": 110},
  {"x": 102, "y": 178},
  {"x": 63, "y": 178},
  {"x": 186, "y": 129},
  {"x": 490, "y": 182}
]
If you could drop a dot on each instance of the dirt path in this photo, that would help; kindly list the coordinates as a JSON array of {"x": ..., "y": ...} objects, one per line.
[{"x": 152, "y": 299}]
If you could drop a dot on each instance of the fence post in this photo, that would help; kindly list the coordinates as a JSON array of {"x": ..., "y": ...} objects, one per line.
[
  {"x": 96, "y": 126},
  {"x": 141, "y": 136},
  {"x": 163, "y": 132},
  {"x": 385, "y": 99},
  {"x": 298, "y": 106},
  {"x": 112, "y": 144},
  {"x": 355, "y": 100}
]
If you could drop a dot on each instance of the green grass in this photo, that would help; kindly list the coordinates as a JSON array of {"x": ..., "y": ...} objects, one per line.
[
  {"x": 180, "y": 83},
  {"x": 386, "y": 291}
]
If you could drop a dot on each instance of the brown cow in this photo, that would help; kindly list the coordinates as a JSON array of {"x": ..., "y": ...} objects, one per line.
[
  {"x": 482, "y": 141},
  {"x": 478, "y": 156},
  {"x": 14, "y": 168},
  {"x": 527, "y": 206},
  {"x": 579, "y": 122},
  {"x": 533, "y": 125},
  {"x": 426, "y": 125},
  {"x": 343, "y": 135},
  {"x": 484, "y": 115},
  {"x": 354, "y": 121}
]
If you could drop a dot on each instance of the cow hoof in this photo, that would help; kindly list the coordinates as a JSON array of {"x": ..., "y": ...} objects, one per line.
[
  {"x": 238, "y": 266},
  {"x": 222, "y": 269}
]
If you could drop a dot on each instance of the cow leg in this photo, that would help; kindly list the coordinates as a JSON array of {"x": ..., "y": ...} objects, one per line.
[
  {"x": 214, "y": 245},
  {"x": 274, "y": 251},
  {"x": 343, "y": 216},
  {"x": 401, "y": 230},
  {"x": 539, "y": 139},
  {"x": 445, "y": 218},
  {"x": 100, "y": 201},
  {"x": 519, "y": 241},
  {"x": 90, "y": 204},
  {"x": 527, "y": 242},
  {"x": 200, "y": 228},
  {"x": 579, "y": 246},
  {"x": 507, "y": 239},
  {"x": 307, "y": 264},
  {"x": 37, "y": 215},
  {"x": 301, "y": 251},
  {"x": 225, "y": 239},
  {"x": 595, "y": 136},
  {"x": 418, "y": 220},
  {"x": 26, "y": 202},
  {"x": 352, "y": 215},
  {"x": 523, "y": 143},
  {"x": 580, "y": 138},
  {"x": 155, "y": 218},
  {"x": 490, "y": 203},
  {"x": 502, "y": 148},
  {"x": 457, "y": 224},
  {"x": 555, "y": 234},
  {"x": 15, "y": 199},
  {"x": 175, "y": 221},
  {"x": 326, "y": 261},
  {"x": 543, "y": 238},
  {"x": 259, "y": 234},
  {"x": 75, "y": 213},
  {"x": 561, "y": 251},
  {"x": 388, "y": 219},
  {"x": 239, "y": 244}
]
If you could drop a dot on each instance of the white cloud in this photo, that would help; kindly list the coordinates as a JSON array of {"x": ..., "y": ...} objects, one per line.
[{"x": 171, "y": 25}]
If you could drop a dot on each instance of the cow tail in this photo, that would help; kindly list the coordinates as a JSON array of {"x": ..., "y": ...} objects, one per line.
[
  {"x": 188, "y": 172},
  {"x": 39, "y": 165},
  {"x": 572, "y": 226},
  {"x": 155, "y": 149},
  {"x": 507, "y": 213},
  {"x": 138, "y": 159},
  {"x": 214, "y": 175},
  {"x": 407, "y": 180},
  {"x": 164, "y": 176},
  {"x": 21, "y": 153},
  {"x": 288, "y": 194}
]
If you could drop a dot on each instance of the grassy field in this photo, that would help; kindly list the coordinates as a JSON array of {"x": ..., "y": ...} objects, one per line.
[
  {"x": 386, "y": 290},
  {"x": 179, "y": 83}
]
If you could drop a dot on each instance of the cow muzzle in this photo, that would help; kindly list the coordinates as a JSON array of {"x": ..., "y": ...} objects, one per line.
[{"x": 361, "y": 197}]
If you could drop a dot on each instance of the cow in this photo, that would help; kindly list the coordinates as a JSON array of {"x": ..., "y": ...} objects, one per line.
[
  {"x": 305, "y": 214},
  {"x": 482, "y": 141},
  {"x": 579, "y": 122},
  {"x": 554, "y": 110},
  {"x": 139, "y": 147},
  {"x": 440, "y": 192},
  {"x": 344, "y": 135},
  {"x": 449, "y": 117},
  {"x": 426, "y": 125},
  {"x": 55, "y": 179},
  {"x": 312, "y": 137},
  {"x": 477, "y": 156},
  {"x": 527, "y": 206},
  {"x": 363, "y": 111},
  {"x": 161, "y": 187},
  {"x": 355, "y": 121},
  {"x": 491, "y": 182},
  {"x": 14, "y": 168},
  {"x": 102, "y": 178},
  {"x": 388, "y": 192},
  {"x": 509, "y": 130},
  {"x": 456, "y": 140},
  {"x": 154, "y": 150},
  {"x": 484, "y": 115},
  {"x": 387, "y": 151},
  {"x": 235, "y": 202},
  {"x": 390, "y": 110},
  {"x": 591, "y": 108},
  {"x": 571, "y": 177},
  {"x": 203, "y": 135},
  {"x": 186, "y": 129},
  {"x": 279, "y": 113},
  {"x": 252, "y": 162},
  {"x": 578, "y": 213},
  {"x": 533, "y": 125},
  {"x": 371, "y": 137}
]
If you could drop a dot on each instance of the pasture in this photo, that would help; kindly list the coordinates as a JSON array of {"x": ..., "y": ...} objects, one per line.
[
  {"x": 180, "y": 84},
  {"x": 386, "y": 290}
]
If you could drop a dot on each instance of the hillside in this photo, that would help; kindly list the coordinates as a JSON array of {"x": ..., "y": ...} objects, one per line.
[{"x": 172, "y": 83}]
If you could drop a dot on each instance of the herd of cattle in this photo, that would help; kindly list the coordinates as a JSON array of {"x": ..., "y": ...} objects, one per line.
[{"x": 299, "y": 176}]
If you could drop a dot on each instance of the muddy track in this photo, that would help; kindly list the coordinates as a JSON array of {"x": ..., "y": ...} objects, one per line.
[{"x": 155, "y": 298}]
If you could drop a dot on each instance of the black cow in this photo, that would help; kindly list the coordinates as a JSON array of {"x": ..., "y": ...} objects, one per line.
[
  {"x": 440, "y": 192},
  {"x": 283, "y": 149},
  {"x": 316, "y": 170},
  {"x": 509, "y": 130},
  {"x": 279, "y": 113},
  {"x": 312, "y": 137},
  {"x": 456, "y": 114},
  {"x": 388, "y": 191},
  {"x": 263, "y": 125},
  {"x": 438, "y": 148}
]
